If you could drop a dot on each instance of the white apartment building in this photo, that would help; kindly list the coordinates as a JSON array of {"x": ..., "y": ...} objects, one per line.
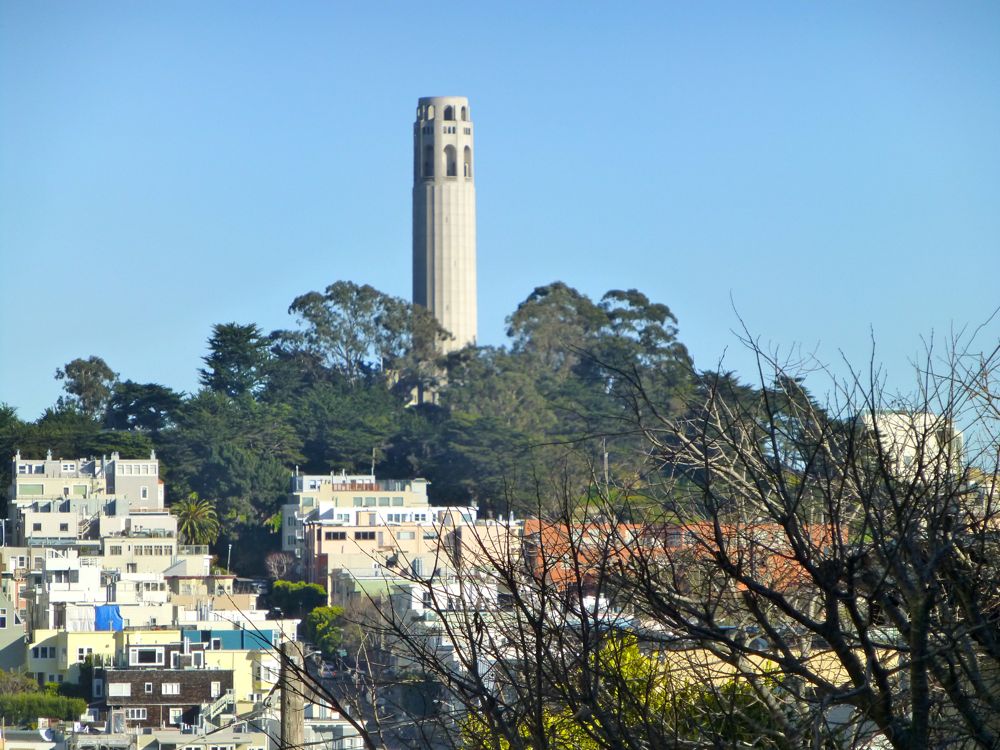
[{"x": 917, "y": 443}]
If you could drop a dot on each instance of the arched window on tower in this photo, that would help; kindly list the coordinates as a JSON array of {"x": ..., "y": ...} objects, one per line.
[
  {"x": 428, "y": 161},
  {"x": 468, "y": 163},
  {"x": 449, "y": 112},
  {"x": 450, "y": 160},
  {"x": 465, "y": 114},
  {"x": 430, "y": 111}
]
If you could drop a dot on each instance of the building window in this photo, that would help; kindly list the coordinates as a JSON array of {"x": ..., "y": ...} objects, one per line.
[
  {"x": 216, "y": 689},
  {"x": 144, "y": 493},
  {"x": 82, "y": 653},
  {"x": 149, "y": 688},
  {"x": 428, "y": 164},
  {"x": 468, "y": 163},
  {"x": 449, "y": 113},
  {"x": 119, "y": 689},
  {"x": 3, "y": 618},
  {"x": 465, "y": 114},
  {"x": 147, "y": 656},
  {"x": 115, "y": 549},
  {"x": 176, "y": 714},
  {"x": 364, "y": 536},
  {"x": 36, "y": 527},
  {"x": 171, "y": 688},
  {"x": 336, "y": 536},
  {"x": 383, "y": 502},
  {"x": 216, "y": 644},
  {"x": 450, "y": 161},
  {"x": 64, "y": 527},
  {"x": 406, "y": 535},
  {"x": 135, "y": 714}
]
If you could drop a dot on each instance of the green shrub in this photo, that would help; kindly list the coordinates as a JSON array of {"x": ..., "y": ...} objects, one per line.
[{"x": 24, "y": 708}]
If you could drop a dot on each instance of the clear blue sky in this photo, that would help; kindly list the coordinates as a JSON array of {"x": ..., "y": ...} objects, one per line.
[{"x": 826, "y": 169}]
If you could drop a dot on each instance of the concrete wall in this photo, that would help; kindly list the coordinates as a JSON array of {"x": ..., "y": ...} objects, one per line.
[{"x": 444, "y": 216}]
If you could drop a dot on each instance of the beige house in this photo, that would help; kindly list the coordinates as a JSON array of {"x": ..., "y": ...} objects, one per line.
[
  {"x": 339, "y": 496},
  {"x": 374, "y": 554},
  {"x": 55, "y": 501}
]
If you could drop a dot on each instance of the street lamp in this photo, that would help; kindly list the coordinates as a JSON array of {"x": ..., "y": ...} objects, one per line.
[{"x": 229, "y": 560}]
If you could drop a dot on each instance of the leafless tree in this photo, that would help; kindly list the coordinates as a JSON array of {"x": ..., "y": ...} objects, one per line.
[
  {"x": 846, "y": 554},
  {"x": 776, "y": 573},
  {"x": 279, "y": 564}
]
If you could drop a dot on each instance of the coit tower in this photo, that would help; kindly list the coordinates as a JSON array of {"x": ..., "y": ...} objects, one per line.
[{"x": 444, "y": 216}]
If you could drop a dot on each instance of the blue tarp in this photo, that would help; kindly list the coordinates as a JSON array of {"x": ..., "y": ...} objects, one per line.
[{"x": 107, "y": 617}]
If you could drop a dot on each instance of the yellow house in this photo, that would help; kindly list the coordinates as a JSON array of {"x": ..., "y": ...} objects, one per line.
[
  {"x": 255, "y": 671},
  {"x": 56, "y": 655}
]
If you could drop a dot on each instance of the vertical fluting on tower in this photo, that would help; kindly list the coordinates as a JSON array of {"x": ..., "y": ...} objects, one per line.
[{"x": 444, "y": 216}]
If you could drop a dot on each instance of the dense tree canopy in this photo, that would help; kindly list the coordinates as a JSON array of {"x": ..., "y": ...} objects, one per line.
[{"x": 334, "y": 392}]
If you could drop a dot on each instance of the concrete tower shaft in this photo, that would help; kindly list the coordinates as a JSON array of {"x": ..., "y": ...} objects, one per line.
[{"x": 444, "y": 215}]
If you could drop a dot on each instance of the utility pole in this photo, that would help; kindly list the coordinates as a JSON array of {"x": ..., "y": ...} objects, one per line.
[{"x": 293, "y": 713}]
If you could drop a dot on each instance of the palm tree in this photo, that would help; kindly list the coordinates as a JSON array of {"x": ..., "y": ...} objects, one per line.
[{"x": 197, "y": 522}]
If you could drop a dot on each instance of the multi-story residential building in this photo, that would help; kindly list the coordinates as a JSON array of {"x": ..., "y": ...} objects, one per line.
[
  {"x": 251, "y": 654},
  {"x": 157, "y": 683},
  {"x": 12, "y": 646},
  {"x": 380, "y": 544},
  {"x": 58, "y": 655},
  {"x": 143, "y": 553},
  {"x": 14, "y": 577},
  {"x": 67, "y": 588},
  {"x": 55, "y": 502},
  {"x": 343, "y": 492},
  {"x": 917, "y": 443}
]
